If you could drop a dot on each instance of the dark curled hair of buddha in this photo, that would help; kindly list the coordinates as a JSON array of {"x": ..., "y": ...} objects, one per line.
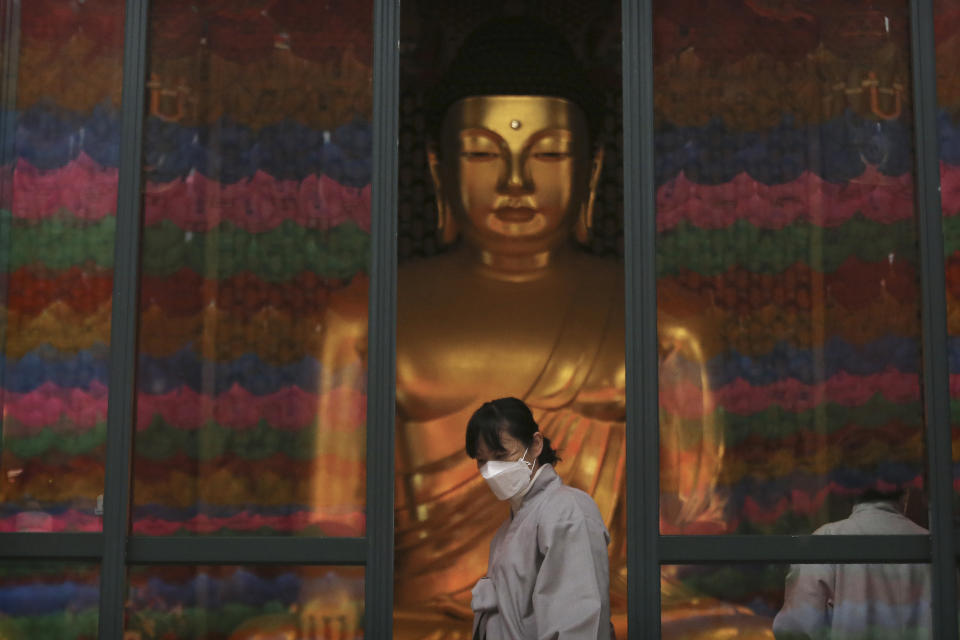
[
  {"x": 510, "y": 415},
  {"x": 515, "y": 56}
]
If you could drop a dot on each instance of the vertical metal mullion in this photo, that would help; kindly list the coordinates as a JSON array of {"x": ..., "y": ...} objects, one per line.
[
  {"x": 8, "y": 122},
  {"x": 123, "y": 328},
  {"x": 9, "y": 78},
  {"x": 936, "y": 388},
  {"x": 643, "y": 433},
  {"x": 381, "y": 372}
]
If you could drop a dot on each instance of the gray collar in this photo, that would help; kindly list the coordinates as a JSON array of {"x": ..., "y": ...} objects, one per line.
[
  {"x": 547, "y": 478},
  {"x": 882, "y": 505}
]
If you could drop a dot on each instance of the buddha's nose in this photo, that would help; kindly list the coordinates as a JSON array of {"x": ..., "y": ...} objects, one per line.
[{"x": 516, "y": 179}]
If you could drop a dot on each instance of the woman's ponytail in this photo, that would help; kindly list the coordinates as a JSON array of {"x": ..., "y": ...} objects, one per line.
[{"x": 549, "y": 454}]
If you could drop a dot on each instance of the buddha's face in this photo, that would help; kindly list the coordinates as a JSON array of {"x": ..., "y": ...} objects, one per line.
[{"x": 514, "y": 170}]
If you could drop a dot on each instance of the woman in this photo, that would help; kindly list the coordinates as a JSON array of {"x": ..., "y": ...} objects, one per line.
[{"x": 547, "y": 575}]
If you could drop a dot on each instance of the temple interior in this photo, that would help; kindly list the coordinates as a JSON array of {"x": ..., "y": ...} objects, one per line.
[{"x": 792, "y": 297}]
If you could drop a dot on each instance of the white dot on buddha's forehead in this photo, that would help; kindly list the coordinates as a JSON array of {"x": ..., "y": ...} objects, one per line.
[{"x": 515, "y": 124}]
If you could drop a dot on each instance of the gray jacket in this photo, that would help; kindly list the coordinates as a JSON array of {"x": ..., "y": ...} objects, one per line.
[
  {"x": 855, "y": 601},
  {"x": 548, "y": 573}
]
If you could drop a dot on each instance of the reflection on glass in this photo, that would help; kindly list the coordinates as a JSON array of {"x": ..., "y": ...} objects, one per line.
[
  {"x": 60, "y": 139},
  {"x": 787, "y": 278},
  {"x": 513, "y": 305},
  {"x": 245, "y": 603},
  {"x": 719, "y": 601},
  {"x": 947, "y": 30},
  {"x": 48, "y": 600},
  {"x": 837, "y": 601},
  {"x": 251, "y": 406}
]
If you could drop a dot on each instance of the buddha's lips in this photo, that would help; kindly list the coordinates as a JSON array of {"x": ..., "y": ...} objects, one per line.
[
  {"x": 520, "y": 214},
  {"x": 516, "y": 222}
]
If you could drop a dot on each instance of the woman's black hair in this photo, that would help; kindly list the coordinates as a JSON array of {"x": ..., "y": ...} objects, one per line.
[{"x": 510, "y": 415}]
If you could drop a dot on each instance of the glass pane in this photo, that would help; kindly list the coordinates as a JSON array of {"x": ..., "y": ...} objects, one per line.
[
  {"x": 244, "y": 603},
  {"x": 947, "y": 25},
  {"x": 59, "y": 147},
  {"x": 49, "y": 600},
  {"x": 512, "y": 286},
  {"x": 787, "y": 263},
  {"x": 252, "y": 371},
  {"x": 837, "y": 601}
]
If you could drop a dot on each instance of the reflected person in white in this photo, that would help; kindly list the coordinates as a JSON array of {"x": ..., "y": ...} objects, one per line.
[
  {"x": 548, "y": 571},
  {"x": 859, "y": 601}
]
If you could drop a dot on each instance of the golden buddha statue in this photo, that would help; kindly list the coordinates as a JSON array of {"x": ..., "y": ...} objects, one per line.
[{"x": 515, "y": 307}]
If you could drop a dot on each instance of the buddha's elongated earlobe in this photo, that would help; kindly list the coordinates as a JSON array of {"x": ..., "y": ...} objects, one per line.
[
  {"x": 584, "y": 225},
  {"x": 447, "y": 230}
]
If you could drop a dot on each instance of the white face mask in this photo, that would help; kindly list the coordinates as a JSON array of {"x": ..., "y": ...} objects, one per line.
[{"x": 507, "y": 479}]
